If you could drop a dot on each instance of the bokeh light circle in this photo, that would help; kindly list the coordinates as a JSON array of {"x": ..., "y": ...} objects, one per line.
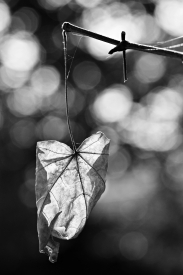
[
  {"x": 169, "y": 15},
  {"x": 150, "y": 68},
  {"x": 113, "y": 104},
  {"x": 5, "y": 16},
  {"x": 86, "y": 75},
  {"x": 45, "y": 80},
  {"x": 20, "y": 51},
  {"x": 133, "y": 245}
]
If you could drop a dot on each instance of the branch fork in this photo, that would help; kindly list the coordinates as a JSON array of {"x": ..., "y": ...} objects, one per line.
[{"x": 122, "y": 45}]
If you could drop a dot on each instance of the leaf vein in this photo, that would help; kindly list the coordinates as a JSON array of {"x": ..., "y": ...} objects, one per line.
[
  {"x": 93, "y": 168},
  {"x": 55, "y": 199},
  {"x": 81, "y": 182},
  {"x": 53, "y": 151},
  {"x": 89, "y": 144},
  {"x": 52, "y": 163},
  {"x": 103, "y": 154},
  {"x": 54, "y": 183}
]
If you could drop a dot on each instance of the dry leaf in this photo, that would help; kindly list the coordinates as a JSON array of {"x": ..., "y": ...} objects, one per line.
[{"x": 68, "y": 185}]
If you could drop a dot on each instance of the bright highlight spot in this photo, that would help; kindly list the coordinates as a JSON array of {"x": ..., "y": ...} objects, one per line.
[
  {"x": 113, "y": 104},
  {"x": 155, "y": 126},
  {"x": 166, "y": 104},
  {"x": 88, "y": 4},
  {"x": 13, "y": 79},
  {"x": 151, "y": 31},
  {"x": 5, "y": 17},
  {"x": 23, "y": 102},
  {"x": 45, "y": 81},
  {"x": 109, "y": 20},
  {"x": 52, "y": 4},
  {"x": 19, "y": 51},
  {"x": 169, "y": 16},
  {"x": 150, "y": 68}
]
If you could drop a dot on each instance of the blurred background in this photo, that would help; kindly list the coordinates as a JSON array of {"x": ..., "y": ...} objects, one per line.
[{"x": 137, "y": 226}]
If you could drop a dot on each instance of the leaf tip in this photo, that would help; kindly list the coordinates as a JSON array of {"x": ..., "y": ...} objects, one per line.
[
  {"x": 103, "y": 135},
  {"x": 52, "y": 253}
]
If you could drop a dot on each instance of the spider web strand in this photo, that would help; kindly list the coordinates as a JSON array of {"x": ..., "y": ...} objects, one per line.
[{"x": 66, "y": 91}]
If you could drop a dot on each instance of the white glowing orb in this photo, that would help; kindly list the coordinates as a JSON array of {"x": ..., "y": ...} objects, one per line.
[
  {"x": 52, "y": 4},
  {"x": 20, "y": 51},
  {"x": 169, "y": 15},
  {"x": 113, "y": 104},
  {"x": 111, "y": 20},
  {"x": 155, "y": 126},
  {"x": 5, "y": 17},
  {"x": 12, "y": 79},
  {"x": 150, "y": 68},
  {"x": 88, "y": 4},
  {"x": 45, "y": 80},
  {"x": 166, "y": 105},
  {"x": 23, "y": 102}
]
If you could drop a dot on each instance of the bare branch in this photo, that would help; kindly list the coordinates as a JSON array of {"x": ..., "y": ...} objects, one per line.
[{"x": 122, "y": 45}]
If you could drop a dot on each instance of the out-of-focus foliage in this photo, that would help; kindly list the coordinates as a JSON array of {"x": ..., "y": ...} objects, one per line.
[{"x": 137, "y": 225}]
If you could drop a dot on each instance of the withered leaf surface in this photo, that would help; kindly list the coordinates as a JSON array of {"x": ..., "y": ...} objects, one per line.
[{"x": 68, "y": 185}]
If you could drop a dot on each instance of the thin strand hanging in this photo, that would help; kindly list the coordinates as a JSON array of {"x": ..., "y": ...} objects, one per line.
[
  {"x": 66, "y": 91},
  {"x": 73, "y": 57}
]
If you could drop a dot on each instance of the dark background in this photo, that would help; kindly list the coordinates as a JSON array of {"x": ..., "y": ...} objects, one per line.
[{"x": 137, "y": 226}]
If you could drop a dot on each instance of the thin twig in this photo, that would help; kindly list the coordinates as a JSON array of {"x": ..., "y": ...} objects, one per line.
[
  {"x": 124, "y": 59},
  {"x": 124, "y": 45},
  {"x": 74, "y": 29},
  {"x": 170, "y": 40},
  {"x": 66, "y": 93}
]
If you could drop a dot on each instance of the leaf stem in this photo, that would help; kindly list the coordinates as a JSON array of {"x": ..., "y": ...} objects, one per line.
[
  {"x": 126, "y": 45},
  {"x": 66, "y": 91}
]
